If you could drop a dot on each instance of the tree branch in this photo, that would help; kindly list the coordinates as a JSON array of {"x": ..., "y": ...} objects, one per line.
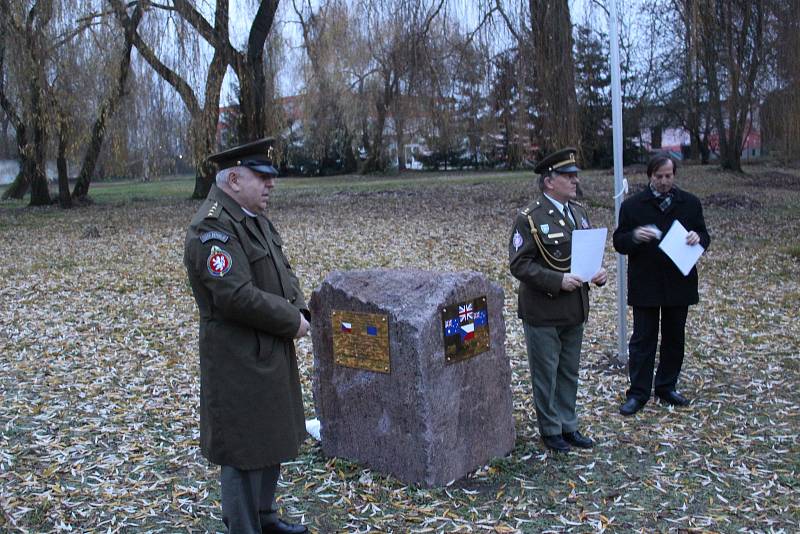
[
  {"x": 505, "y": 18},
  {"x": 170, "y": 76}
]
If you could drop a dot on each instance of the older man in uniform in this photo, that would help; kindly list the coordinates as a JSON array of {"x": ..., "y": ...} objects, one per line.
[
  {"x": 251, "y": 310},
  {"x": 553, "y": 304}
]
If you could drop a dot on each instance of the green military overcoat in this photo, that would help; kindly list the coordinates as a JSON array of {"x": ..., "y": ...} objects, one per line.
[
  {"x": 251, "y": 407},
  {"x": 539, "y": 255}
]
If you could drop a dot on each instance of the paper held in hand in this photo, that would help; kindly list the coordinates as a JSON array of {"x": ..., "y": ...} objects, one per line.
[
  {"x": 587, "y": 252},
  {"x": 674, "y": 245}
]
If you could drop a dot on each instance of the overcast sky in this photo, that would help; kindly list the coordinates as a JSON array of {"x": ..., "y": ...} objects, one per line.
[{"x": 582, "y": 11}]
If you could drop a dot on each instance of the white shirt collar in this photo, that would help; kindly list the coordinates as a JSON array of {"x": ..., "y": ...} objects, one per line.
[
  {"x": 560, "y": 207},
  {"x": 248, "y": 212}
]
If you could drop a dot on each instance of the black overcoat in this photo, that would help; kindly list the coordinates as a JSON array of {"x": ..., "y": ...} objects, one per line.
[
  {"x": 653, "y": 279},
  {"x": 251, "y": 407}
]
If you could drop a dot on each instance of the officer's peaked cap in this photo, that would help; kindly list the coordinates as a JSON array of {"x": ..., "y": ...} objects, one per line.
[
  {"x": 256, "y": 156},
  {"x": 562, "y": 161}
]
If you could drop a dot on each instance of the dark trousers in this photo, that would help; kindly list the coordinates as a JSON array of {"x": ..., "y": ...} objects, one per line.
[
  {"x": 248, "y": 497},
  {"x": 553, "y": 355},
  {"x": 642, "y": 350}
]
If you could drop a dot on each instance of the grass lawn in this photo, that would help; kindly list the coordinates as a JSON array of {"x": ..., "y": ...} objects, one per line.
[{"x": 99, "y": 372}]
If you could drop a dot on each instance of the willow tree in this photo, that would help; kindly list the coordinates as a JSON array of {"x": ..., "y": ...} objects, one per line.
[
  {"x": 115, "y": 94},
  {"x": 398, "y": 36},
  {"x": 62, "y": 75},
  {"x": 543, "y": 35},
  {"x": 27, "y": 32},
  {"x": 190, "y": 28},
  {"x": 332, "y": 70}
]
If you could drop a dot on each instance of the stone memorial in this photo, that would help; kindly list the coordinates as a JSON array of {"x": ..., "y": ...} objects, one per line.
[{"x": 410, "y": 372}]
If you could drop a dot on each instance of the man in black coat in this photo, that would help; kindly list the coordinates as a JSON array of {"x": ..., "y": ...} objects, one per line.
[{"x": 656, "y": 287}]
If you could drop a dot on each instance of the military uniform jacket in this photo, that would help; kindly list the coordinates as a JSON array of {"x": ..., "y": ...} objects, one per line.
[
  {"x": 539, "y": 255},
  {"x": 653, "y": 279},
  {"x": 251, "y": 408}
]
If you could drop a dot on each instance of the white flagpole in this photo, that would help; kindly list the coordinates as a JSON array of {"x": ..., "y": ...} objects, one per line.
[{"x": 616, "y": 118}]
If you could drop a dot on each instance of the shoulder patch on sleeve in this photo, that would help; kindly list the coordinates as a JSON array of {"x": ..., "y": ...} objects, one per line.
[
  {"x": 219, "y": 236},
  {"x": 219, "y": 262},
  {"x": 517, "y": 240}
]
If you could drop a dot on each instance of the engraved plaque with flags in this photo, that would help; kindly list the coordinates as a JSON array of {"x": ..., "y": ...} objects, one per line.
[
  {"x": 466, "y": 329},
  {"x": 361, "y": 340}
]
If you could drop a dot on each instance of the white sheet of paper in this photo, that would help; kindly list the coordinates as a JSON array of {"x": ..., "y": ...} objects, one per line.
[
  {"x": 674, "y": 245},
  {"x": 587, "y": 252}
]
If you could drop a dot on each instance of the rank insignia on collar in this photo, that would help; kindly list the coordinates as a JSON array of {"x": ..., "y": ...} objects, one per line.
[
  {"x": 219, "y": 262},
  {"x": 517, "y": 241},
  {"x": 545, "y": 228},
  {"x": 584, "y": 223}
]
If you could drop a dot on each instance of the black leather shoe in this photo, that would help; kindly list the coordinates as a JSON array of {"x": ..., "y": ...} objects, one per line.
[
  {"x": 279, "y": 526},
  {"x": 631, "y": 406},
  {"x": 556, "y": 443},
  {"x": 674, "y": 398},
  {"x": 576, "y": 439}
]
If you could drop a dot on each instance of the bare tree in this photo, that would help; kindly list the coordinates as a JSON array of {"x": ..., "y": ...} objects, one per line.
[
  {"x": 247, "y": 64},
  {"x": 731, "y": 48},
  {"x": 52, "y": 99},
  {"x": 329, "y": 106},
  {"x": 27, "y": 28},
  {"x": 397, "y": 34}
]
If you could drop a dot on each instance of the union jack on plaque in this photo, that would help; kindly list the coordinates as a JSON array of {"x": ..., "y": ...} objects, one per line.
[
  {"x": 465, "y": 328},
  {"x": 465, "y": 312}
]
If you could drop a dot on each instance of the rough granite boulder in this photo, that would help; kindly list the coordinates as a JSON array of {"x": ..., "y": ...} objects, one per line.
[{"x": 427, "y": 421}]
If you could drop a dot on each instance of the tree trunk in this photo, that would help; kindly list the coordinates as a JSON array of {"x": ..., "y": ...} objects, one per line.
[
  {"x": 250, "y": 71},
  {"x": 40, "y": 192},
  {"x": 554, "y": 68},
  {"x": 64, "y": 198},
  {"x": 375, "y": 160},
  {"x": 350, "y": 161},
  {"x": 130, "y": 25},
  {"x": 19, "y": 187},
  {"x": 203, "y": 143},
  {"x": 21, "y": 184},
  {"x": 203, "y": 127},
  {"x": 399, "y": 124}
]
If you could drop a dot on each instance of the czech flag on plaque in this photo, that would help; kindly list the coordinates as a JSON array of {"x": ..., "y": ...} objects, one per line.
[
  {"x": 467, "y": 332},
  {"x": 347, "y": 328}
]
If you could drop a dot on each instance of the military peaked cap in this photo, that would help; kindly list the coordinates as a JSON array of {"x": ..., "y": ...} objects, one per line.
[
  {"x": 256, "y": 156},
  {"x": 563, "y": 161}
]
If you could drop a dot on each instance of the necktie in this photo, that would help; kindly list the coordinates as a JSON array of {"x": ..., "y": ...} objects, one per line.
[{"x": 567, "y": 217}]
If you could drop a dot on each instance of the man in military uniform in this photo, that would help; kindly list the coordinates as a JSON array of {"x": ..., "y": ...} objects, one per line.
[
  {"x": 251, "y": 310},
  {"x": 553, "y": 304}
]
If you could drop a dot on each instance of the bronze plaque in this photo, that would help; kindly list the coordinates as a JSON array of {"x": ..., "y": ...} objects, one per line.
[
  {"x": 466, "y": 329},
  {"x": 361, "y": 340}
]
